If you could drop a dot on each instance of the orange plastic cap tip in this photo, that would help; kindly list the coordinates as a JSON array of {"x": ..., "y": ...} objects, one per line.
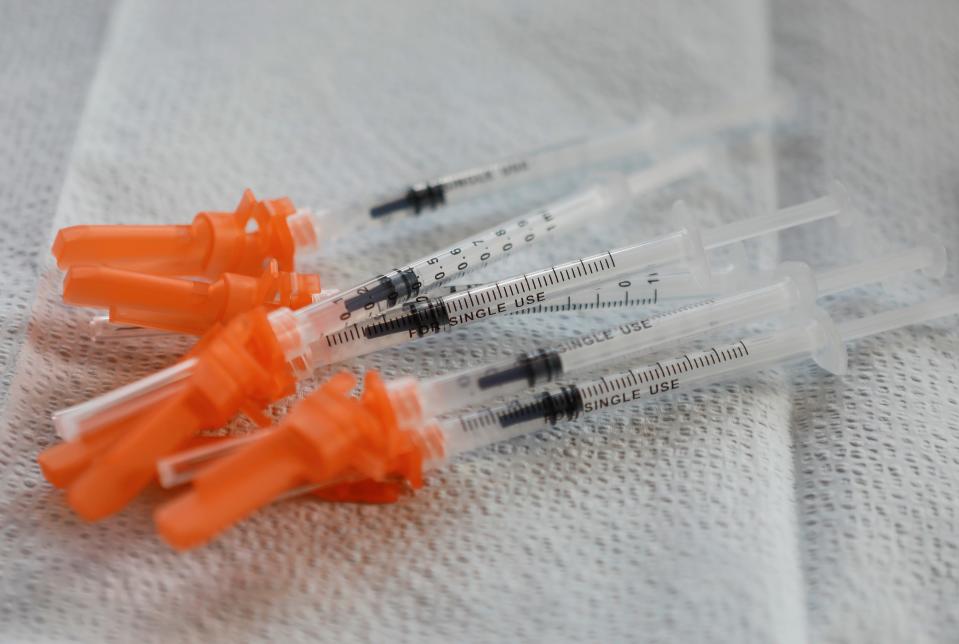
[
  {"x": 242, "y": 366},
  {"x": 329, "y": 437},
  {"x": 213, "y": 244}
]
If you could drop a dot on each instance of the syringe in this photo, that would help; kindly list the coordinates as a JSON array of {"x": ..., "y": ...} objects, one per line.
[
  {"x": 240, "y": 241},
  {"x": 660, "y": 287},
  {"x": 634, "y": 291},
  {"x": 647, "y": 290},
  {"x": 248, "y": 365},
  {"x": 375, "y": 442},
  {"x": 166, "y": 303},
  {"x": 791, "y": 290},
  {"x": 651, "y": 136},
  {"x": 309, "y": 339}
]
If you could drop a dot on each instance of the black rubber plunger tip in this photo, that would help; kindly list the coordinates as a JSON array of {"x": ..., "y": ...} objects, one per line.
[{"x": 389, "y": 207}]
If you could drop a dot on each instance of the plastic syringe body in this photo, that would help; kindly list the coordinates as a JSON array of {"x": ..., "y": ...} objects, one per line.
[
  {"x": 432, "y": 315},
  {"x": 650, "y": 136},
  {"x": 303, "y": 341},
  {"x": 384, "y": 292},
  {"x": 634, "y": 291},
  {"x": 592, "y": 203},
  {"x": 663, "y": 286},
  {"x": 526, "y": 414},
  {"x": 817, "y": 338}
]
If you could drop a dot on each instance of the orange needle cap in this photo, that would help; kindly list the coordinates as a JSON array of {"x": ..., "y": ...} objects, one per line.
[
  {"x": 215, "y": 243},
  {"x": 183, "y": 305},
  {"x": 239, "y": 367},
  {"x": 327, "y": 437}
]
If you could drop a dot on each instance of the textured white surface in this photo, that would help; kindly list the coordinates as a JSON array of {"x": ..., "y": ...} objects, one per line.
[
  {"x": 796, "y": 507},
  {"x": 47, "y": 57},
  {"x": 877, "y": 454}
]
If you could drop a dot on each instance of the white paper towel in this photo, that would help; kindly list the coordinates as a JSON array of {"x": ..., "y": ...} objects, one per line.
[{"x": 796, "y": 507}]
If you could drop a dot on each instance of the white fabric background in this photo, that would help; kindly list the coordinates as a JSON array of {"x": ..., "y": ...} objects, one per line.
[
  {"x": 47, "y": 58},
  {"x": 796, "y": 507}
]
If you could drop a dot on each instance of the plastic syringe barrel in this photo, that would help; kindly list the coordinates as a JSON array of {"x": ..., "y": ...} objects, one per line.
[
  {"x": 644, "y": 382},
  {"x": 434, "y": 315},
  {"x": 598, "y": 200},
  {"x": 650, "y": 136},
  {"x": 817, "y": 337},
  {"x": 437, "y": 315}
]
